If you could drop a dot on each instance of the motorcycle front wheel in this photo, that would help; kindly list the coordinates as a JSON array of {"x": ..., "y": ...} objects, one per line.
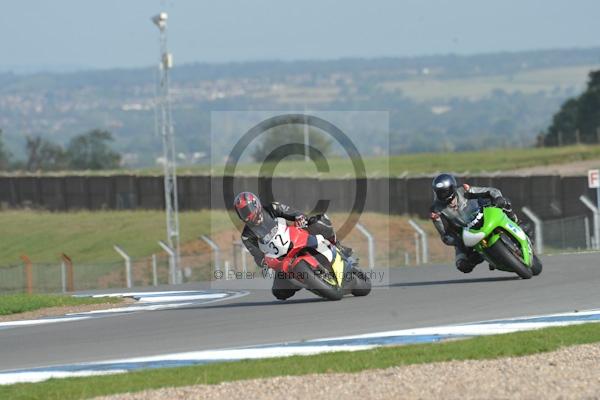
[
  {"x": 502, "y": 255},
  {"x": 315, "y": 283}
]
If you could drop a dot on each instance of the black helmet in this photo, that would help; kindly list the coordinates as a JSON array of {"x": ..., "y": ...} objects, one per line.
[
  {"x": 444, "y": 187},
  {"x": 248, "y": 208}
]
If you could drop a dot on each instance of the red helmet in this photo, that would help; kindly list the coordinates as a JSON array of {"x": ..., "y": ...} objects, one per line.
[{"x": 248, "y": 208}]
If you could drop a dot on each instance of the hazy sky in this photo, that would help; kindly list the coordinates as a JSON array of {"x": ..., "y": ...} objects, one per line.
[{"x": 40, "y": 34}]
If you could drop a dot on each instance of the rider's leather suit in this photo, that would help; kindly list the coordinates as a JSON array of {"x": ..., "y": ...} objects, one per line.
[{"x": 448, "y": 221}]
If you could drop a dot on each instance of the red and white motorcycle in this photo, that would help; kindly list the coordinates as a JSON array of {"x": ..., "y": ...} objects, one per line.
[{"x": 312, "y": 262}]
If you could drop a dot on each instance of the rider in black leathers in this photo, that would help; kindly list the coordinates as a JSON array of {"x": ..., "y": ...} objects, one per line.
[
  {"x": 253, "y": 213},
  {"x": 449, "y": 200}
]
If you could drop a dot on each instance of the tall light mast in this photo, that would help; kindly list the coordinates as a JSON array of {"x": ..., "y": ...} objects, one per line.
[{"x": 163, "y": 103}]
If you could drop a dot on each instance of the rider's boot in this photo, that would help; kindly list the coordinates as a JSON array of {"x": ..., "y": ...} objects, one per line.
[
  {"x": 346, "y": 251},
  {"x": 467, "y": 262},
  {"x": 464, "y": 266}
]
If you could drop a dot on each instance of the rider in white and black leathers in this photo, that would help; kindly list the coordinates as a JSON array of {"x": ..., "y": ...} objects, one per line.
[
  {"x": 258, "y": 219},
  {"x": 445, "y": 214}
]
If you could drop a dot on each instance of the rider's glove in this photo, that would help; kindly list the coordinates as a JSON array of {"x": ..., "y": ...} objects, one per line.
[
  {"x": 500, "y": 202},
  {"x": 301, "y": 221},
  {"x": 263, "y": 264}
]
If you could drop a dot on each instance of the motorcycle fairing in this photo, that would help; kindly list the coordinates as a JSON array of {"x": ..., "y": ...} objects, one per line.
[
  {"x": 496, "y": 221},
  {"x": 277, "y": 242}
]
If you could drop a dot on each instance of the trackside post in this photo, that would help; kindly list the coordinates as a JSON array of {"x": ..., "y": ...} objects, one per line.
[
  {"x": 154, "y": 272},
  {"x": 588, "y": 203},
  {"x": 370, "y": 244},
  {"x": 63, "y": 276},
  {"x": 244, "y": 251},
  {"x": 173, "y": 275},
  {"x": 417, "y": 249},
  {"x": 537, "y": 222},
  {"x": 216, "y": 251},
  {"x": 594, "y": 183},
  {"x": 423, "y": 236},
  {"x": 70, "y": 273},
  {"x": 239, "y": 246},
  {"x": 127, "y": 259},
  {"x": 226, "y": 270},
  {"x": 588, "y": 242}
]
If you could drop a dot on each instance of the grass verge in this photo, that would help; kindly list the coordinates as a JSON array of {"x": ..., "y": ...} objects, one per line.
[
  {"x": 489, "y": 160},
  {"x": 426, "y": 163},
  {"x": 484, "y": 347},
  {"x": 18, "y": 303},
  {"x": 89, "y": 236}
]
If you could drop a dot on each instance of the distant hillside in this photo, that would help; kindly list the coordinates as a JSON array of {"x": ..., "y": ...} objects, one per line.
[{"x": 444, "y": 102}]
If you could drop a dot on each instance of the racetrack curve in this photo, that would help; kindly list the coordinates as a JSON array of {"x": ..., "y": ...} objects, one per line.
[{"x": 416, "y": 297}]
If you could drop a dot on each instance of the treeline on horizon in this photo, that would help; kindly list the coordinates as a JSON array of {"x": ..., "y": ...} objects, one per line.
[
  {"x": 88, "y": 151},
  {"x": 578, "y": 120},
  {"x": 453, "y": 66},
  {"x": 499, "y": 119}
]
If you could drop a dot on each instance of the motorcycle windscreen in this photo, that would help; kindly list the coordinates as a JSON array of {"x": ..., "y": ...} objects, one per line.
[{"x": 469, "y": 213}]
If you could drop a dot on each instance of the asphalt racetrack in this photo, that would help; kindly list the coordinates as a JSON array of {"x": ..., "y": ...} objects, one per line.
[{"x": 416, "y": 297}]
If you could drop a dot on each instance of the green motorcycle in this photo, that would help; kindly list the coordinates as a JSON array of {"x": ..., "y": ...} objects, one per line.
[{"x": 501, "y": 242}]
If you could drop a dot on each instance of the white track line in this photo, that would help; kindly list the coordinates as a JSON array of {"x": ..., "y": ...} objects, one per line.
[
  {"x": 146, "y": 301},
  {"x": 343, "y": 343}
]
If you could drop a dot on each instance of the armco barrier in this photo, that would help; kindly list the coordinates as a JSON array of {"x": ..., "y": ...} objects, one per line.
[{"x": 551, "y": 197}]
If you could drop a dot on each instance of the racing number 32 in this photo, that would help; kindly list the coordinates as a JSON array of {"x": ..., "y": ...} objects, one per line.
[{"x": 276, "y": 247}]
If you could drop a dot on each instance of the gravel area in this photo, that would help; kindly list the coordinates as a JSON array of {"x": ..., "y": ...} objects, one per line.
[
  {"x": 569, "y": 373},
  {"x": 59, "y": 311}
]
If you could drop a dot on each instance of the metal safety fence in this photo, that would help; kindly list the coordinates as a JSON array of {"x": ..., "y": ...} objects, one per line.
[
  {"x": 55, "y": 278},
  {"x": 571, "y": 233},
  {"x": 385, "y": 245}
]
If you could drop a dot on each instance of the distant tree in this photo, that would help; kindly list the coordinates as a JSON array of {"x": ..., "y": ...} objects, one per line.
[
  {"x": 92, "y": 150},
  {"x": 5, "y": 155},
  {"x": 564, "y": 125},
  {"x": 44, "y": 155},
  {"x": 290, "y": 134},
  {"x": 589, "y": 109},
  {"x": 581, "y": 113}
]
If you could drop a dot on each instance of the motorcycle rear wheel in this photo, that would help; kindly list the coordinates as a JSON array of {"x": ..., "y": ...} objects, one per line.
[
  {"x": 362, "y": 283},
  {"x": 536, "y": 266}
]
